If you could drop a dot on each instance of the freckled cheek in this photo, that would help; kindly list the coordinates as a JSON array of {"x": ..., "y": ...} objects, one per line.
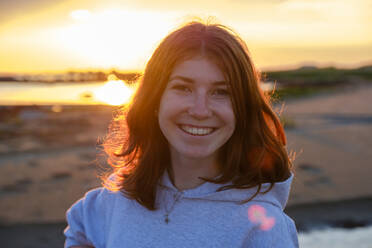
[
  {"x": 167, "y": 99},
  {"x": 226, "y": 113},
  {"x": 170, "y": 111}
]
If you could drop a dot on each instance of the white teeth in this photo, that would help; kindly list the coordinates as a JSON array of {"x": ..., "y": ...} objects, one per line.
[{"x": 197, "y": 131}]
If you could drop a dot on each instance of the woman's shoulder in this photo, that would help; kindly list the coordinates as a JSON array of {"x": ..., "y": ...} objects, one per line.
[
  {"x": 103, "y": 196},
  {"x": 88, "y": 215},
  {"x": 269, "y": 225},
  {"x": 100, "y": 197},
  {"x": 101, "y": 193},
  {"x": 98, "y": 202}
]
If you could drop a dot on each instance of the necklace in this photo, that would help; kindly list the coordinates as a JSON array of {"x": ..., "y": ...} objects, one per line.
[{"x": 177, "y": 196}]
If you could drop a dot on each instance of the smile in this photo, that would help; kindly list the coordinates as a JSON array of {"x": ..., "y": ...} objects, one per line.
[{"x": 198, "y": 131}]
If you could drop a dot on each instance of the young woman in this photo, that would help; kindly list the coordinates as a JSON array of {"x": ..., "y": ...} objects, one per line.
[{"x": 199, "y": 156}]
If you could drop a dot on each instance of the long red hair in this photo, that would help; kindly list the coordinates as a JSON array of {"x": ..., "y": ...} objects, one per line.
[{"x": 254, "y": 154}]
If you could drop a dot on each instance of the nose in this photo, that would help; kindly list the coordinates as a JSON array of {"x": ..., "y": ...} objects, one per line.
[{"x": 199, "y": 109}]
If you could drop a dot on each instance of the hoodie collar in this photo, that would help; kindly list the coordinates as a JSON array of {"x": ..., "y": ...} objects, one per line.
[
  {"x": 202, "y": 190},
  {"x": 278, "y": 195}
]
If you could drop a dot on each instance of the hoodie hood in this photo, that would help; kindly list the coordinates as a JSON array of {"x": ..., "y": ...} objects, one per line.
[{"x": 278, "y": 195}]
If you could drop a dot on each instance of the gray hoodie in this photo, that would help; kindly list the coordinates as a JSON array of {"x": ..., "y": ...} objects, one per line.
[{"x": 199, "y": 217}]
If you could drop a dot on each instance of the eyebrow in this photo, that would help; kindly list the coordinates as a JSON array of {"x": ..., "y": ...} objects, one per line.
[{"x": 190, "y": 80}]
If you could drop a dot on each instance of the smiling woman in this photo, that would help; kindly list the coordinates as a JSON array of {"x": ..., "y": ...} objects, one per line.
[
  {"x": 197, "y": 118},
  {"x": 198, "y": 155}
]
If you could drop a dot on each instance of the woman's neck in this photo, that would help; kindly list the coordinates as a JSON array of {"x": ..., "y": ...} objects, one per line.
[{"x": 186, "y": 171}]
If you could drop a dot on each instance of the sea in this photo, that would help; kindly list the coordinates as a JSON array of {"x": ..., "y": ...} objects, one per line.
[
  {"x": 360, "y": 237},
  {"x": 70, "y": 93},
  {"x": 37, "y": 93}
]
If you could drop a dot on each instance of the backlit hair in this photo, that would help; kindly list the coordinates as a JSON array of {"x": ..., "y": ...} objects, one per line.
[{"x": 254, "y": 154}]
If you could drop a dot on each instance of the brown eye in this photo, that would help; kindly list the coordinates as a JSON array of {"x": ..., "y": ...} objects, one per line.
[
  {"x": 221, "y": 92},
  {"x": 181, "y": 88}
]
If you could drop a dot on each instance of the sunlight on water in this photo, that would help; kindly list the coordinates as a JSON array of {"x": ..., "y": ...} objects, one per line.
[
  {"x": 114, "y": 92},
  {"x": 257, "y": 214},
  {"x": 111, "y": 92}
]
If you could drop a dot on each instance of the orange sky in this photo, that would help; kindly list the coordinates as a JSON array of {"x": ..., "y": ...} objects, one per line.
[{"x": 55, "y": 35}]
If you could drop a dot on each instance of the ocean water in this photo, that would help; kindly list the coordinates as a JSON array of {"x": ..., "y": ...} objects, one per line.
[
  {"x": 70, "y": 93},
  {"x": 360, "y": 237},
  {"x": 21, "y": 93}
]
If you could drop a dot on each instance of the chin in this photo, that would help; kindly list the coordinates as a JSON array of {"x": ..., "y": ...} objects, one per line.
[{"x": 195, "y": 153}]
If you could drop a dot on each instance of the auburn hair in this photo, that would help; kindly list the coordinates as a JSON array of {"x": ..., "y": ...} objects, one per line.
[{"x": 255, "y": 153}]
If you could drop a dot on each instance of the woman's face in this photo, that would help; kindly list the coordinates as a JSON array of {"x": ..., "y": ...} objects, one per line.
[{"x": 195, "y": 113}]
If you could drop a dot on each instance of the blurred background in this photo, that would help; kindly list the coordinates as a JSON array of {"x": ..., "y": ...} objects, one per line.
[{"x": 66, "y": 65}]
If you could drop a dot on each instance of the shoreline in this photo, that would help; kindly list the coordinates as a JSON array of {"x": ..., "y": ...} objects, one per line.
[{"x": 347, "y": 214}]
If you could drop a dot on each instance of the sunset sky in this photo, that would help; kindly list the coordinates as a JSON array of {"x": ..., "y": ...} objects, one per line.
[{"x": 56, "y": 36}]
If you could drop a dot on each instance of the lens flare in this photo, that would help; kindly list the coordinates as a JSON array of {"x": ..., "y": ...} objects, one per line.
[{"x": 257, "y": 214}]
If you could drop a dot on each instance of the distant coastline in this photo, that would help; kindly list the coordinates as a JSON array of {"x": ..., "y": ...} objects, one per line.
[
  {"x": 306, "y": 75},
  {"x": 78, "y": 77}
]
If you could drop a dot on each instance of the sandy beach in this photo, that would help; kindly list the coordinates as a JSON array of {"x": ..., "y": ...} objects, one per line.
[
  {"x": 332, "y": 137},
  {"x": 49, "y": 159}
]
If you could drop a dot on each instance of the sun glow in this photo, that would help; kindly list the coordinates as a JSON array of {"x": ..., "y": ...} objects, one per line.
[
  {"x": 112, "y": 37},
  {"x": 114, "y": 92},
  {"x": 80, "y": 14}
]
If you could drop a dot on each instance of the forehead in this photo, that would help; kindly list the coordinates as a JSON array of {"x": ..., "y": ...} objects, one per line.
[{"x": 198, "y": 69}]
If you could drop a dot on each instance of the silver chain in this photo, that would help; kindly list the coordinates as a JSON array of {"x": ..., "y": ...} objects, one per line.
[{"x": 176, "y": 197}]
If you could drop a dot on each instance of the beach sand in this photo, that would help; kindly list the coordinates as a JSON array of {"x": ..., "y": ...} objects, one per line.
[
  {"x": 332, "y": 137},
  {"x": 48, "y": 160}
]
